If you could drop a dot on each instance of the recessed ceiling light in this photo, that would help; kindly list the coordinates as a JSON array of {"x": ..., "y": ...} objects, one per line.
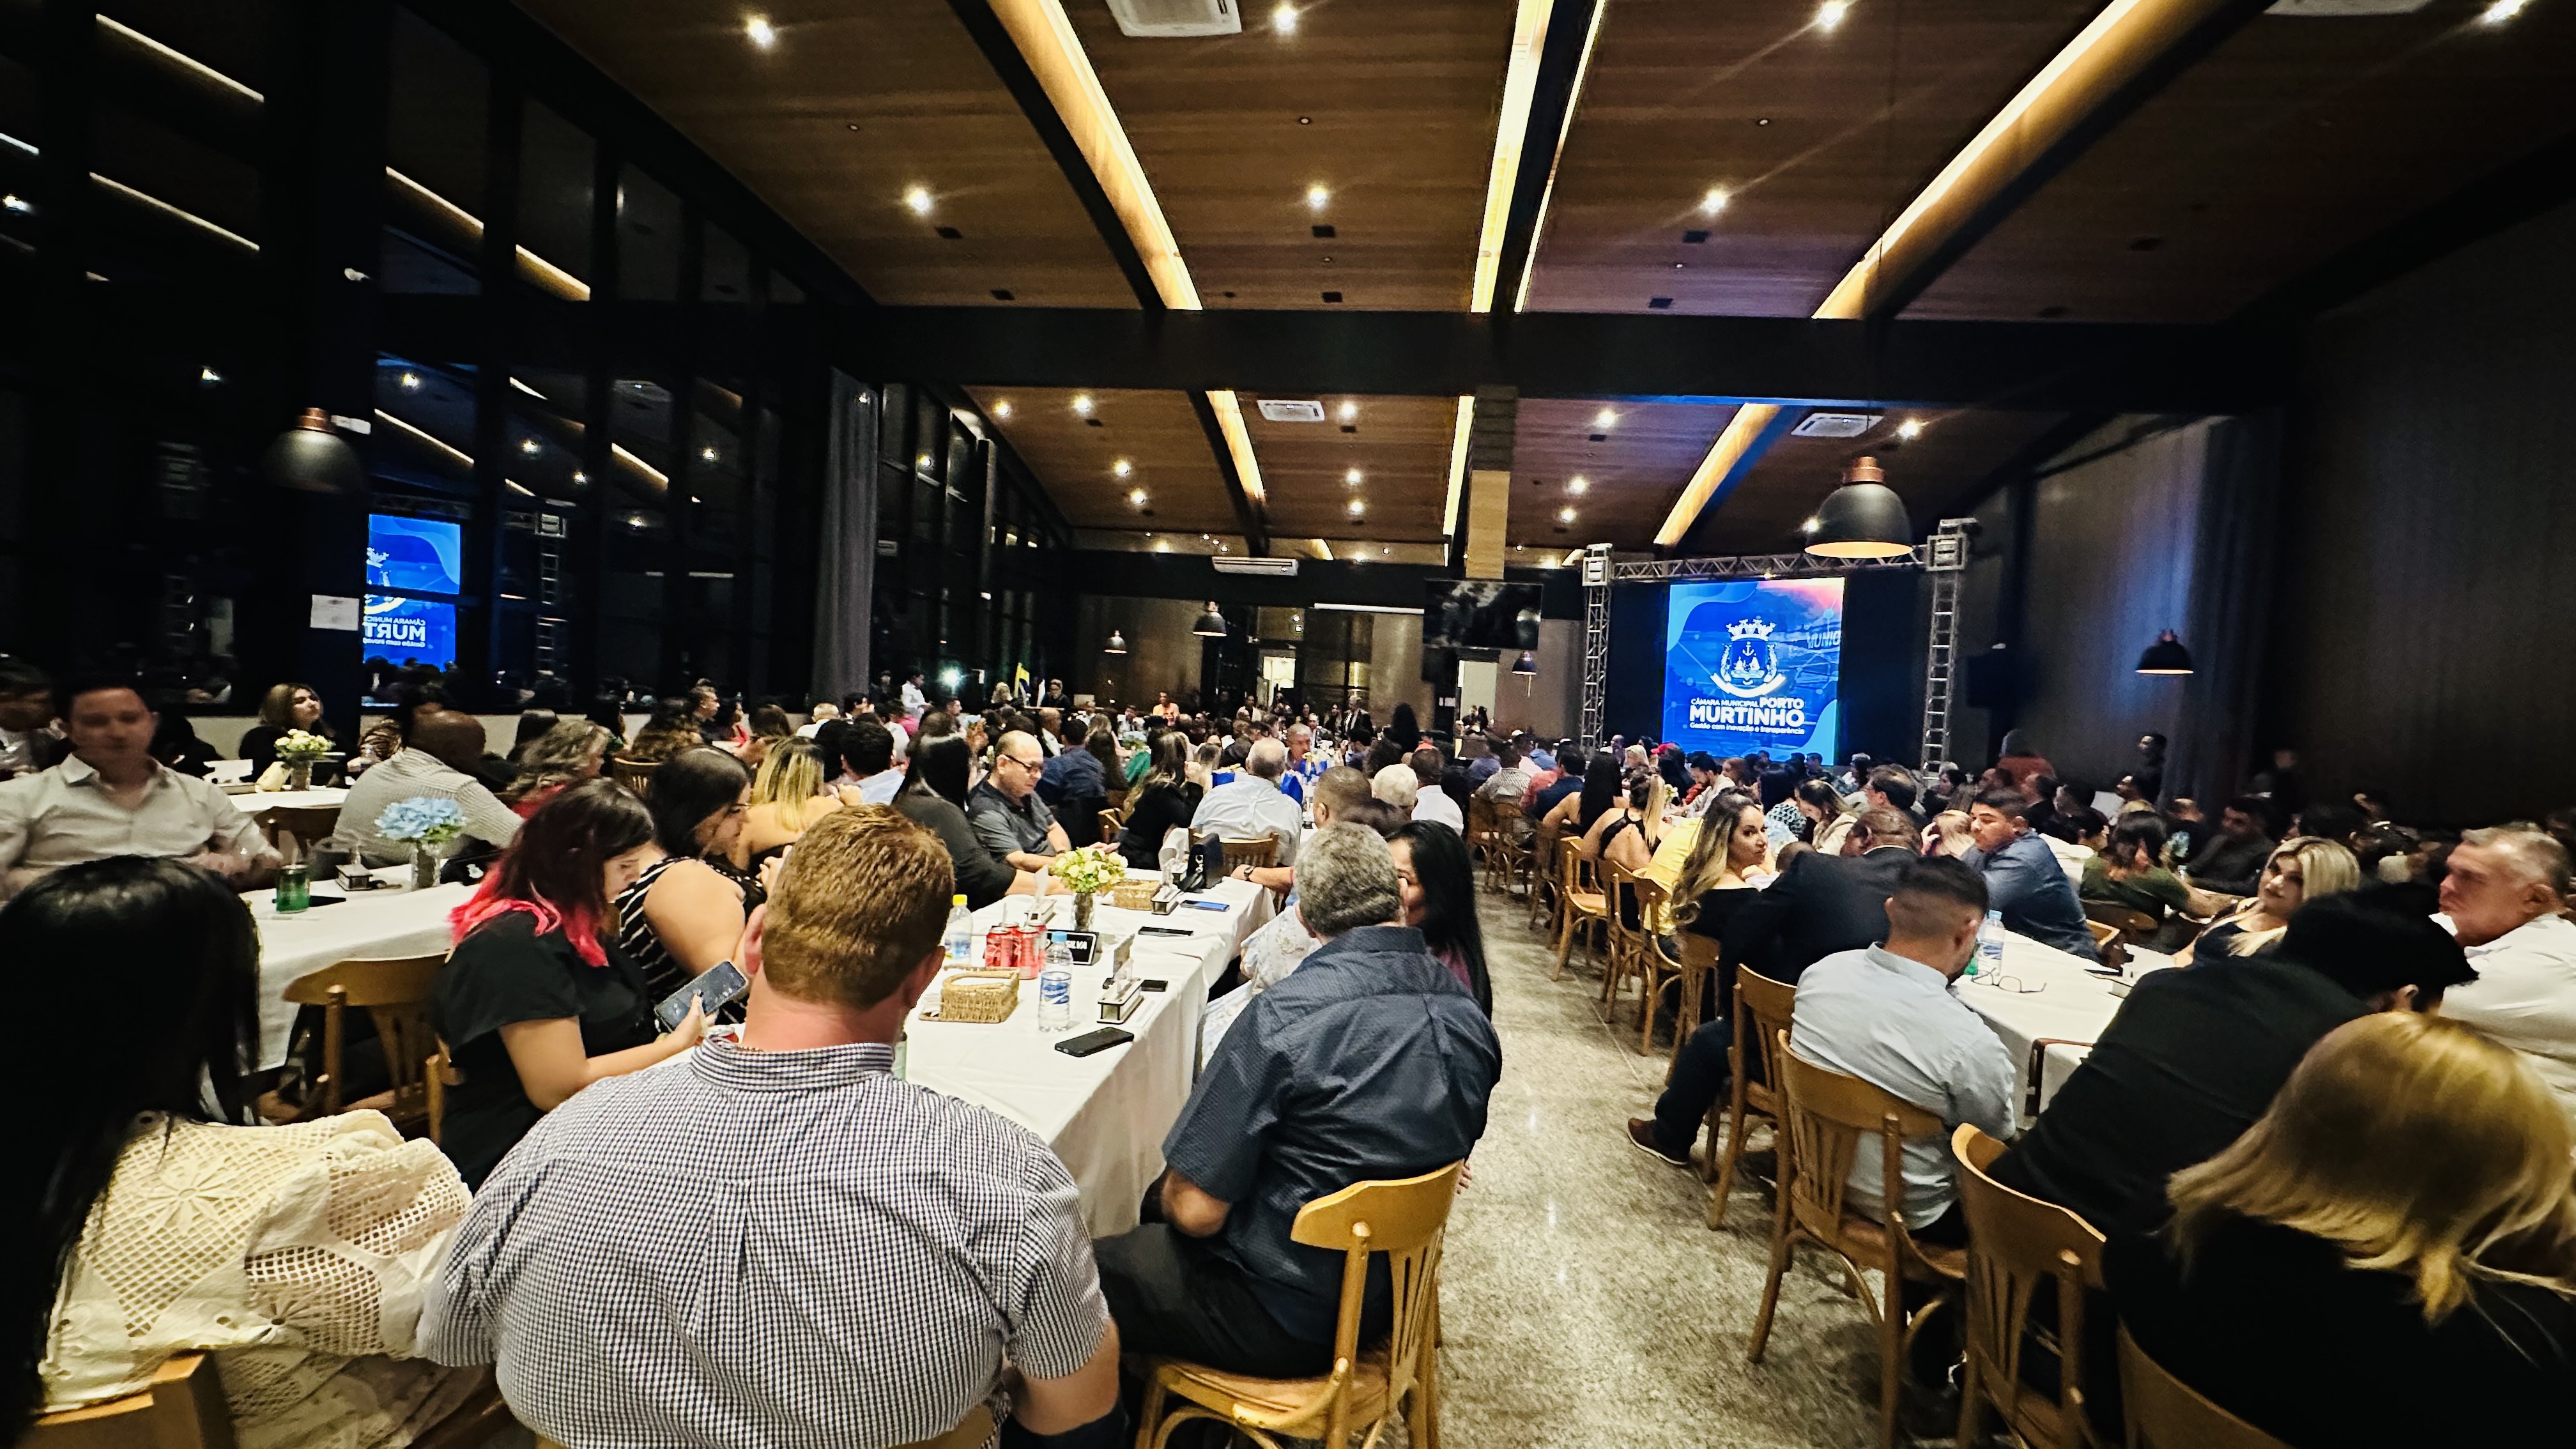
[
  {"x": 922, "y": 461},
  {"x": 1383, "y": 549},
  {"x": 1565, "y": 514},
  {"x": 2502, "y": 11},
  {"x": 1714, "y": 202},
  {"x": 1353, "y": 477},
  {"x": 208, "y": 377},
  {"x": 1082, "y": 404},
  {"x": 17, "y": 203},
  {"x": 1811, "y": 525},
  {"x": 1002, "y": 409},
  {"x": 579, "y": 476},
  {"x": 708, "y": 454},
  {"x": 530, "y": 446},
  {"x": 1358, "y": 507},
  {"x": 1831, "y": 13},
  {"x": 1604, "y": 418},
  {"x": 1350, "y": 410},
  {"x": 1137, "y": 497},
  {"x": 918, "y": 198},
  {"x": 1317, "y": 195},
  {"x": 762, "y": 33},
  {"x": 1283, "y": 19},
  {"x": 1910, "y": 429},
  {"x": 1578, "y": 485},
  {"x": 411, "y": 382},
  {"x": 1122, "y": 467}
]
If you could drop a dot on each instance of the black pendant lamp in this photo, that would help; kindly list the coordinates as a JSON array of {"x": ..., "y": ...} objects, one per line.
[
  {"x": 2165, "y": 656},
  {"x": 1211, "y": 625},
  {"x": 1117, "y": 643},
  {"x": 1527, "y": 663},
  {"x": 311, "y": 458},
  {"x": 1862, "y": 519}
]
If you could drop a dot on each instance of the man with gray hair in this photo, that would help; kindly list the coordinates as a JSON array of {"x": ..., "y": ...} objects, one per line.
[
  {"x": 2505, "y": 899},
  {"x": 1370, "y": 1062},
  {"x": 1251, "y": 804}
]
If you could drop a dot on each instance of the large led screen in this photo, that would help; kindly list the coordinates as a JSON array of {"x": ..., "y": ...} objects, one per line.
[
  {"x": 405, "y": 631},
  {"x": 1753, "y": 665},
  {"x": 414, "y": 555}
]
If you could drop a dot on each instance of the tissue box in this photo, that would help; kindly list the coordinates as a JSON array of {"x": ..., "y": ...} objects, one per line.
[{"x": 980, "y": 996}]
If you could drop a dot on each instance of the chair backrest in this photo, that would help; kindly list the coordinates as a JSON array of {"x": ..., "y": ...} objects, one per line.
[
  {"x": 438, "y": 1074},
  {"x": 1573, "y": 872},
  {"x": 309, "y": 824},
  {"x": 1699, "y": 953},
  {"x": 1827, "y": 1116},
  {"x": 1111, "y": 827},
  {"x": 1619, "y": 886},
  {"x": 1653, "y": 914},
  {"x": 1261, "y": 850},
  {"x": 1117, "y": 797},
  {"x": 1762, "y": 1008},
  {"x": 1405, "y": 1220},
  {"x": 1480, "y": 819},
  {"x": 1543, "y": 842},
  {"x": 2135, "y": 924},
  {"x": 395, "y": 993},
  {"x": 182, "y": 1408},
  {"x": 2104, "y": 933},
  {"x": 635, "y": 775},
  {"x": 2018, "y": 1246},
  {"x": 2163, "y": 1412}
]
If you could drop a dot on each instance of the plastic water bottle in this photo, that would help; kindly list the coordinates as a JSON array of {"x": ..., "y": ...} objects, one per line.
[
  {"x": 1990, "y": 944},
  {"x": 1055, "y": 992},
  {"x": 961, "y": 934}
]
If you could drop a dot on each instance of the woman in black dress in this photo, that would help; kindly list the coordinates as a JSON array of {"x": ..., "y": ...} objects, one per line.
[
  {"x": 1165, "y": 797},
  {"x": 537, "y": 1000},
  {"x": 285, "y": 707}
]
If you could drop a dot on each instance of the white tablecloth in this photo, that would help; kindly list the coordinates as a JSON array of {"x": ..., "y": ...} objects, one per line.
[
  {"x": 2073, "y": 1005},
  {"x": 251, "y": 802},
  {"x": 1105, "y": 1114},
  {"x": 395, "y": 921}
]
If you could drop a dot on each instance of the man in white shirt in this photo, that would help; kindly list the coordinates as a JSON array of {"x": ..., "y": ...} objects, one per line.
[
  {"x": 1886, "y": 1015},
  {"x": 438, "y": 761},
  {"x": 2504, "y": 898},
  {"x": 1430, "y": 802},
  {"x": 914, "y": 701},
  {"x": 29, "y": 738},
  {"x": 1251, "y": 804}
]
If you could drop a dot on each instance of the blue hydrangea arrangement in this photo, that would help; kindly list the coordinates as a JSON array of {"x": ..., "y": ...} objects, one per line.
[{"x": 431, "y": 820}]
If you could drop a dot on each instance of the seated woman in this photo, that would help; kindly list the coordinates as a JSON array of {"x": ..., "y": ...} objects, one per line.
[
  {"x": 563, "y": 756},
  {"x": 672, "y": 729},
  {"x": 934, "y": 796},
  {"x": 2300, "y": 869},
  {"x": 685, "y": 912},
  {"x": 2403, "y": 1208},
  {"x": 1437, "y": 883},
  {"x": 537, "y": 1000},
  {"x": 1627, "y": 836},
  {"x": 1728, "y": 862},
  {"x": 2126, "y": 873},
  {"x": 766, "y": 727},
  {"x": 149, "y": 1222},
  {"x": 285, "y": 707},
  {"x": 1828, "y": 816},
  {"x": 533, "y": 724},
  {"x": 786, "y": 796},
  {"x": 1164, "y": 797}
]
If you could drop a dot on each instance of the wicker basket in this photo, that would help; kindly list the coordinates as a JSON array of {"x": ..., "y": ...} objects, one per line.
[
  {"x": 1135, "y": 895},
  {"x": 979, "y": 996}
]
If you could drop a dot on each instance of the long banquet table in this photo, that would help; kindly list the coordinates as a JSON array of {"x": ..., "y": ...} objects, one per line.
[{"x": 2069, "y": 1007}]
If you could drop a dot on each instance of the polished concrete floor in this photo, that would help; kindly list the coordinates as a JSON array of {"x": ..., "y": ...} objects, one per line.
[{"x": 1585, "y": 1300}]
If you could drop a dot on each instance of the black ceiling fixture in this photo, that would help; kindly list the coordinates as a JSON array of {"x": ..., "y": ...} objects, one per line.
[
  {"x": 1694, "y": 238},
  {"x": 949, "y": 233},
  {"x": 1091, "y": 422},
  {"x": 1003, "y": 294},
  {"x": 2165, "y": 656},
  {"x": 1862, "y": 519},
  {"x": 311, "y": 458},
  {"x": 1659, "y": 303},
  {"x": 1324, "y": 232},
  {"x": 1332, "y": 296}
]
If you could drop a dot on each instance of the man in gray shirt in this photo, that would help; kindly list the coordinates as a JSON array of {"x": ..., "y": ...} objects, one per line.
[
  {"x": 1014, "y": 824},
  {"x": 112, "y": 798}
]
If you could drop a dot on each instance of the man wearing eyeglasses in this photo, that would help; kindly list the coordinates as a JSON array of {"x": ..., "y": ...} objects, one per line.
[{"x": 1014, "y": 824}]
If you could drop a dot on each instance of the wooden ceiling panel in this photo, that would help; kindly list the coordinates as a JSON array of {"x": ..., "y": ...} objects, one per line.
[
  {"x": 1819, "y": 137},
  {"x": 1389, "y": 106},
  {"x": 1631, "y": 476},
  {"x": 1933, "y": 471},
  {"x": 2297, "y": 138},
  {"x": 851, "y": 108},
  {"x": 1155, "y": 433},
  {"x": 1400, "y": 445}
]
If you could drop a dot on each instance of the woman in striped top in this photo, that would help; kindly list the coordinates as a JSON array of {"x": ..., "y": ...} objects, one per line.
[{"x": 686, "y": 912}]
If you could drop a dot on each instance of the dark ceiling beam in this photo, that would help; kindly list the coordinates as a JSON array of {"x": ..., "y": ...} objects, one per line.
[
  {"x": 1560, "y": 59},
  {"x": 1789, "y": 360},
  {"x": 1011, "y": 67}
]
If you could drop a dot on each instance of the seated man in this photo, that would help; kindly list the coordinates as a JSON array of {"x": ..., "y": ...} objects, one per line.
[
  {"x": 439, "y": 760},
  {"x": 110, "y": 797},
  {"x": 1250, "y": 805},
  {"x": 2195, "y": 1056},
  {"x": 1510, "y": 780},
  {"x": 776, "y": 1240},
  {"x": 29, "y": 738},
  {"x": 2232, "y": 864},
  {"x": 1370, "y": 1062},
  {"x": 867, "y": 751},
  {"x": 1277, "y": 948},
  {"x": 1014, "y": 824},
  {"x": 2502, "y": 894},
  {"x": 2023, "y": 877},
  {"x": 1886, "y": 1015}
]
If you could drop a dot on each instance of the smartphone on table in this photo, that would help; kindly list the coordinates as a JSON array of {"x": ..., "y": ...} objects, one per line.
[{"x": 716, "y": 986}]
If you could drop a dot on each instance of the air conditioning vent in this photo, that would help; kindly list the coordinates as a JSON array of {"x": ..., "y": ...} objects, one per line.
[
  {"x": 1274, "y": 568},
  {"x": 1834, "y": 425},
  {"x": 1176, "y": 19},
  {"x": 2338, "y": 9},
  {"x": 1292, "y": 410}
]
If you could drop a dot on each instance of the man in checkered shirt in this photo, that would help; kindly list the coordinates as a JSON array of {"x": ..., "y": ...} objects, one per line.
[{"x": 776, "y": 1242}]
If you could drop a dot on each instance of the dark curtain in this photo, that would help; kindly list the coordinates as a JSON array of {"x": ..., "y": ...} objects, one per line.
[
  {"x": 2231, "y": 608},
  {"x": 845, "y": 575}
]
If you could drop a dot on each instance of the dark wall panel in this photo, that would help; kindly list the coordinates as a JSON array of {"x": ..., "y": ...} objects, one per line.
[
  {"x": 1882, "y": 679},
  {"x": 1632, "y": 694},
  {"x": 2425, "y": 623}
]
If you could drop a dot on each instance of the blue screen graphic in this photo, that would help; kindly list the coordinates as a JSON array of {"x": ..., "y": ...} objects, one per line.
[
  {"x": 422, "y": 555},
  {"x": 1754, "y": 665},
  {"x": 404, "y": 630}
]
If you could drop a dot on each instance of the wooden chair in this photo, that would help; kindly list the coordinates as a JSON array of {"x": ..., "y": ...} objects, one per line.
[
  {"x": 1619, "y": 885},
  {"x": 1828, "y": 1116},
  {"x": 309, "y": 824},
  {"x": 1543, "y": 897},
  {"x": 1582, "y": 905},
  {"x": 1480, "y": 838},
  {"x": 1111, "y": 827},
  {"x": 1262, "y": 851},
  {"x": 2132, "y": 925},
  {"x": 2106, "y": 941},
  {"x": 1404, "y": 1220},
  {"x": 1118, "y": 800},
  {"x": 439, "y": 1075},
  {"x": 1697, "y": 968},
  {"x": 2018, "y": 1246},
  {"x": 184, "y": 1408},
  {"x": 1509, "y": 850},
  {"x": 2163, "y": 1412},
  {"x": 395, "y": 994},
  {"x": 1762, "y": 1008},
  {"x": 635, "y": 775}
]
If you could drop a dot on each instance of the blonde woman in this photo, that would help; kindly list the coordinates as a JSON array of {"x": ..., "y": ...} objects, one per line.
[
  {"x": 2404, "y": 1207},
  {"x": 1729, "y": 861},
  {"x": 2300, "y": 869},
  {"x": 786, "y": 796}
]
